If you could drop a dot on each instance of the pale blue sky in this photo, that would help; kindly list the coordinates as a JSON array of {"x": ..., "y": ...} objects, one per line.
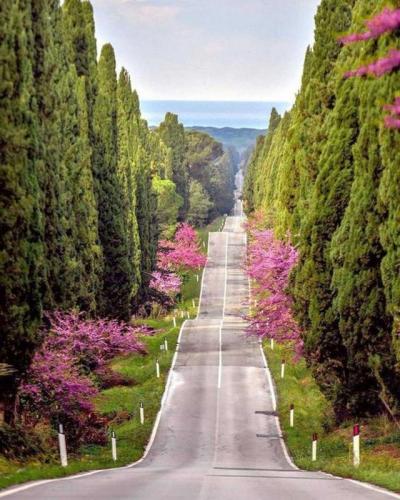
[{"x": 209, "y": 49}]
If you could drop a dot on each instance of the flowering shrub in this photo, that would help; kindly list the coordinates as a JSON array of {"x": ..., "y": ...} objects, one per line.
[
  {"x": 165, "y": 282},
  {"x": 387, "y": 20},
  {"x": 59, "y": 386},
  {"x": 182, "y": 253},
  {"x": 269, "y": 263}
]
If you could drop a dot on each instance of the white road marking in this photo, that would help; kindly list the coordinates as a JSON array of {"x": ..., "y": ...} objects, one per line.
[{"x": 269, "y": 377}]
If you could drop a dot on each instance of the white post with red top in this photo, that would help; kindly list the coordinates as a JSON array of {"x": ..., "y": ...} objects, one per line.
[
  {"x": 356, "y": 445},
  {"x": 283, "y": 369}
]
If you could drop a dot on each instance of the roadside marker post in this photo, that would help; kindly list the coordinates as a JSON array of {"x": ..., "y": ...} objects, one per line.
[
  {"x": 272, "y": 344},
  {"x": 188, "y": 314},
  {"x": 114, "y": 446},
  {"x": 62, "y": 446},
  {"x": 182, "y": 314},
  {"x": 283, "y": 369},
  {"x": 356, "y": 445},
  {"x": 314, "y": 447},
  {"x": 193, "y": 303},
  {"x": 291, "y": 415},
  {"x": 197, "y": 278},
  {"x": 166, "y": 345},
  {"x": 141, "y": 414},
  {"x": 158, "y": 369},
  {"x": 174, "y": 320}
]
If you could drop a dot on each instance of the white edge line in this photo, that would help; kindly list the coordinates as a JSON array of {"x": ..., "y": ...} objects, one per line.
[
  {"x": 27, "y": 486},
  {"x": 269, "y": 377}
]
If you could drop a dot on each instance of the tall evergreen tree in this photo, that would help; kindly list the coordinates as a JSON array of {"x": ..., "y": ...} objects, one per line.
[
  {"x": 128, "y": 136},
  {"x": 21, "y": 222},
  {"x": 172, "y": 134},
  {"x": 116, "y": 287}
]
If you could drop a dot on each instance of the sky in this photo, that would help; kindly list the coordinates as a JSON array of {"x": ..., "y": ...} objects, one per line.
[{"x": 234, "y": 50}]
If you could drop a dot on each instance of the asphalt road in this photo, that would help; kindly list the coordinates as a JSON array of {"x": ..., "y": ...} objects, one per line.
[{"x": 218, "y": 436}]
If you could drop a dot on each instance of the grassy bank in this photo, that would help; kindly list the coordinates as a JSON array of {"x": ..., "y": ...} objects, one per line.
[{"x": 380, "y": 438}]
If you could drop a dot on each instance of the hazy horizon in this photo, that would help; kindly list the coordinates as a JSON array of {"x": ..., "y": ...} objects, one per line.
[{"x": 213, "y": 113}]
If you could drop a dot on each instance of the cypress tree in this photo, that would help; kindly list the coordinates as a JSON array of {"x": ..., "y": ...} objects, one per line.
[
  {"x": 259, "y": 189},
  {"x": 87, "y": 241},
  {"x": 172, "y": 134},
  {"x": 48, "y": 65},
  {"x": 324, "y": 346},
  {"x": 357, "y": 252},
  {"x": 251, "y": 173},
  {"x": 21, "y": 223},
  {"x": 116, "y": 287},
  {"x": 128, "y": 135}
]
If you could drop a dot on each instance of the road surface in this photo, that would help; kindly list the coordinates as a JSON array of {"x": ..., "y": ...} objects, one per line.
[{"x": 218, "y": 437}]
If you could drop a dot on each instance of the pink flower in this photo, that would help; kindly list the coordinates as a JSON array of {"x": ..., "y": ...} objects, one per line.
[
  {"x": 167, "y": 283},
  {"x": 59, "y": 384},
  {"x": 269, "y": 264},
  {"x": 387, "y": 20},
  {"x": 182, "y": 253},
  {"x": 379, "y": 67}
]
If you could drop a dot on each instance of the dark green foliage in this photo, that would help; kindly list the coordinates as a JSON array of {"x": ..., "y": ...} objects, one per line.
[
  {"x": 127, "y": 145},
  {"x": 116, "y": 284},
  {"x": 21, "y": 222},
  {"x": 328, "y": 176}
]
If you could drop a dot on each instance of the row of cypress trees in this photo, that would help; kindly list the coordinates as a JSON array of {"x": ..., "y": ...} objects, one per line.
[
  {"x": 327, "y": 172},
  {"x": 78, "y": 221}
]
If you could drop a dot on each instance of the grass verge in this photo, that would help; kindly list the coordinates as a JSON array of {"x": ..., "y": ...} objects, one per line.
[{"x": 380, "y": 438}]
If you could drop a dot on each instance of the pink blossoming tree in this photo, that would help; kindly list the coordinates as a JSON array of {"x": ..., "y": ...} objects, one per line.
[
  {"x": 269, "y": 264},
  {"x": 175, "y": 258},
  {"x": 60, "y": 385}
]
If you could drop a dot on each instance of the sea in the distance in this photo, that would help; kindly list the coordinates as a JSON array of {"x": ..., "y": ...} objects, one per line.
[{"x": 218, "y": 114}]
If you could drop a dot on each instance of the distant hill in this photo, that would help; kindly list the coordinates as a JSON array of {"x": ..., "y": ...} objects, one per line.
[{"x": 240, "y": 138}]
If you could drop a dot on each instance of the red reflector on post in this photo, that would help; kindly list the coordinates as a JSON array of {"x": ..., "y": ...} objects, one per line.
[
  {"x": 356, "y": 430},
  {"x": 315, "y": 437}
]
